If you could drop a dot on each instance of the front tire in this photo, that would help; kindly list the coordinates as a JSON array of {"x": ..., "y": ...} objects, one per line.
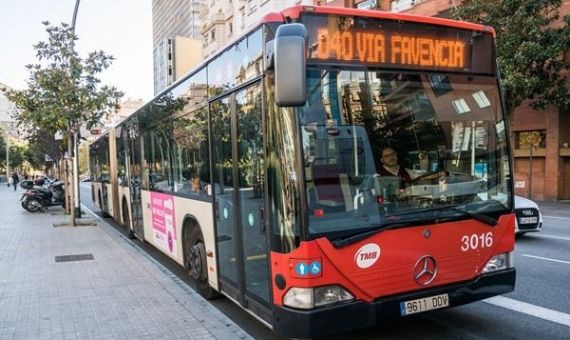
[
  {"x": 197, "y": 264},
  {"x": 33, "y": 205}
]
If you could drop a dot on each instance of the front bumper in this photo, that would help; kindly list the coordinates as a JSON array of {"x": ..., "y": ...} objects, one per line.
[{"x": 349, "y": 316}]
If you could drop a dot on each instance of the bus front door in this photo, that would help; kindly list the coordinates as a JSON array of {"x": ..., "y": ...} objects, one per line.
[{"x": 240, "y": 199}]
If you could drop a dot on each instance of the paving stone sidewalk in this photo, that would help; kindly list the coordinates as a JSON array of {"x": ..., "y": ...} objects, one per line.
[{"x": 121, "y": 294}]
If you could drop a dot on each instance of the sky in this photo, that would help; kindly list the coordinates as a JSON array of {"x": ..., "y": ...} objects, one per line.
[{"x": 121, "y": 28}]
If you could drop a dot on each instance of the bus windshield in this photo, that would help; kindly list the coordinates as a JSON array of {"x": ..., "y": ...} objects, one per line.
[{"x": 389, "y": 146}]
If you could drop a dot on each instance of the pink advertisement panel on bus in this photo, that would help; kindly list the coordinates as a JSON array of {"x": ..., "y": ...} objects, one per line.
[{"x": 163, "y": 221}]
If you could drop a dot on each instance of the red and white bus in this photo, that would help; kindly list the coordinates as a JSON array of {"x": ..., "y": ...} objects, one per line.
[{"x": 327, "y": 171}]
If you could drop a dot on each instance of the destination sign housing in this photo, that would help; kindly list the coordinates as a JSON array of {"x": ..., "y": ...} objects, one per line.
[{"x": 401, "y": 45}]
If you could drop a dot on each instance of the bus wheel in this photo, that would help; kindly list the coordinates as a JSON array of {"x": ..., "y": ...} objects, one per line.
[{"x": 197, "y": 266}]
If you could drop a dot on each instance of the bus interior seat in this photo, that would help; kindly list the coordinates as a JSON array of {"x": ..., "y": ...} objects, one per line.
[{"x": 332, "y": 188}]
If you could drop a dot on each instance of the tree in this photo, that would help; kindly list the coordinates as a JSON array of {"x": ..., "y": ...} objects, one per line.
[
  {"x": 532, "y": 41},
  {"x": 17, "y": 156},
  {"x": 64, "y": 91},
  {"x": 35, "y": 154}
]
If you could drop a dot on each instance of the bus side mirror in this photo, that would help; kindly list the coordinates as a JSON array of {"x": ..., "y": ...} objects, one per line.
[{"x": 289, "y": 63}]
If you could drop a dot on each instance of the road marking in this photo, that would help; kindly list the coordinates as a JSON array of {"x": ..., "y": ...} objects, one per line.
[
  {"x": 564, "y": 238},
  {"x": 562, "y": 218},
  {"x": 545, "y": 258},
  {"x": 529, "y": 309}
]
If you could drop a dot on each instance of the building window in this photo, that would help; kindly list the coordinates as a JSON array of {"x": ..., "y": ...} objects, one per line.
[
  {"x": 524, "y": 139},
  {"x": 252, "y": 4},
  {"x": 460, "y": 106},
  {"x": 213, "y": 35},
  {"x": 367, "y": 4},
  {"x": 402, "y": 5}
]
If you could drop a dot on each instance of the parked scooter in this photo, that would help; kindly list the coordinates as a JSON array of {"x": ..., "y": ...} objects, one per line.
[{"x": 40, "y": 198}]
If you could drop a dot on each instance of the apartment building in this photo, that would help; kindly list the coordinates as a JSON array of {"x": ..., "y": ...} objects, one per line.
[
  {"x": 176, "y": 39},
  {"x": 224, "y": 20}
]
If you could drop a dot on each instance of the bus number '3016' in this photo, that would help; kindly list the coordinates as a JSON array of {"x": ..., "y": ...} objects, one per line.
[{"x": 474, "y": 241}]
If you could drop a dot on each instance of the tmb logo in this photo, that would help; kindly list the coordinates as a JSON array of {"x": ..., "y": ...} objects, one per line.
[{"x": 367, "y": 255}]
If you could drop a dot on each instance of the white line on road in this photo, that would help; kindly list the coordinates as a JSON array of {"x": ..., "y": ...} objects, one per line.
[
  {"x": 564, "y": 238},
  {"x": 545, "y": 258},
  {"x": 562, "y": 218},
  {"x": 529, "y": 309}
]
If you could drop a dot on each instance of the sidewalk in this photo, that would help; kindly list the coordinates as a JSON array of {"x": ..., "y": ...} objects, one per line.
[{"x": 122, "y": 293}]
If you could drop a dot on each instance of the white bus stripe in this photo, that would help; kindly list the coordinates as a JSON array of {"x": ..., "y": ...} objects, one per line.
[
  {"x": 564, "y": 238},
  {"x": 545, "y": 258},
  {"x": 529, "y": 309}
]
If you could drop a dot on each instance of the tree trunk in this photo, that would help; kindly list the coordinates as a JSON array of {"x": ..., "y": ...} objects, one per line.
[
  {"x": 64, "y": 177},
  {"x": 70, "y": 180}
]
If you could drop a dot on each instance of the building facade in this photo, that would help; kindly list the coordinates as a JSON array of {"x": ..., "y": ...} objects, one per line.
[
  {"x": 8, "y": 126},
  {"x": 176, "y": 39},
  {"x": 6, "y": 109},
  {"x": 224, "y": 20}
]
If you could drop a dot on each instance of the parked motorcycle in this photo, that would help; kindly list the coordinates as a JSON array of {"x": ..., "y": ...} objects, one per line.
[{"x": 39, "y": 199}]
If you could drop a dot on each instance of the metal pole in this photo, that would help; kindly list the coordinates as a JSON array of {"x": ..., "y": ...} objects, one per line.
[{"x": 77, "y": 196}]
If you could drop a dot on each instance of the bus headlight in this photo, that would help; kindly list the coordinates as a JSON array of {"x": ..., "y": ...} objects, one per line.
[
  {"x": 299, "y": 298},
  {"x": 330, "y": 294},
  {"x": 497, "y": 262},
  {"x": 307, "y": 298}
]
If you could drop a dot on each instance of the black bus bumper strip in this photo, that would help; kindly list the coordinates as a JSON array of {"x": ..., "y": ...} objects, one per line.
[{"x": 344, "y": 317}]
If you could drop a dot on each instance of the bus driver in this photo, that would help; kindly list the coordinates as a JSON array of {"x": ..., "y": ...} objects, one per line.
[{"x": 389, "y": 167}]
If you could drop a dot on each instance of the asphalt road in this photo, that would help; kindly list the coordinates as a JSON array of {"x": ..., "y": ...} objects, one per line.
[{"x": 538, "y": 308}]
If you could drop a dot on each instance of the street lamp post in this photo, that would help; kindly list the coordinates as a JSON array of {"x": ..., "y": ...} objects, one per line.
[{"x": 75, "y": 139}]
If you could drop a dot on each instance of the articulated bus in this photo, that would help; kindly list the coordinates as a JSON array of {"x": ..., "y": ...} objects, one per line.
[{"x": 329, "y": 170}]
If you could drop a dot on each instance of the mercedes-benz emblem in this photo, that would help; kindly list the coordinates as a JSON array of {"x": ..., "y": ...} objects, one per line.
[{"x": 425, "y": 270}]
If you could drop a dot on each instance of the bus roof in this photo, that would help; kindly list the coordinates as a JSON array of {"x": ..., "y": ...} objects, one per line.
[{"x": 295, "y": 12}]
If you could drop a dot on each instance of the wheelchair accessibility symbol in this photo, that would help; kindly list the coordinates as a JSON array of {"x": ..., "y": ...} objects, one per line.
[{"x": 315, "y": 268}]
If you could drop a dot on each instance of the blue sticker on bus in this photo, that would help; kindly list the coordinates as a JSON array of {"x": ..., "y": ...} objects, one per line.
[
  {"x": 302, "y": 269},
  {"x": 315, "y": 268}
]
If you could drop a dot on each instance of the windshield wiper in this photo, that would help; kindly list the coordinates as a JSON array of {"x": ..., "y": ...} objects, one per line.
[
  {"x": 343, "y": 242},
  {"x": 457, "y": 208},
  {"x": 479, "y": 217}
]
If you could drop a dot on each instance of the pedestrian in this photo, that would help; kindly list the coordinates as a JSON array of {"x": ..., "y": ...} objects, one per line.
[{"x": 15, "y": 180}]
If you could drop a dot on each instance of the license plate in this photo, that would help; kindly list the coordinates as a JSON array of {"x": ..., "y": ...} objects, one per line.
[
  {"x": 423, "y": 305},
  {"x": 528, "y": 220}
]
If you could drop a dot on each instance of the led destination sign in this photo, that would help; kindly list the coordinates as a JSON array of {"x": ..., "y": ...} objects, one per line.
[
  {"x": 384, "y": 48},
  {"x": 387, "y": 43}
]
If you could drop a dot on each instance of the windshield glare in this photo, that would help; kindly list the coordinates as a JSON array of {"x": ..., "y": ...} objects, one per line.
[{"x": 379, "y": 147}]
